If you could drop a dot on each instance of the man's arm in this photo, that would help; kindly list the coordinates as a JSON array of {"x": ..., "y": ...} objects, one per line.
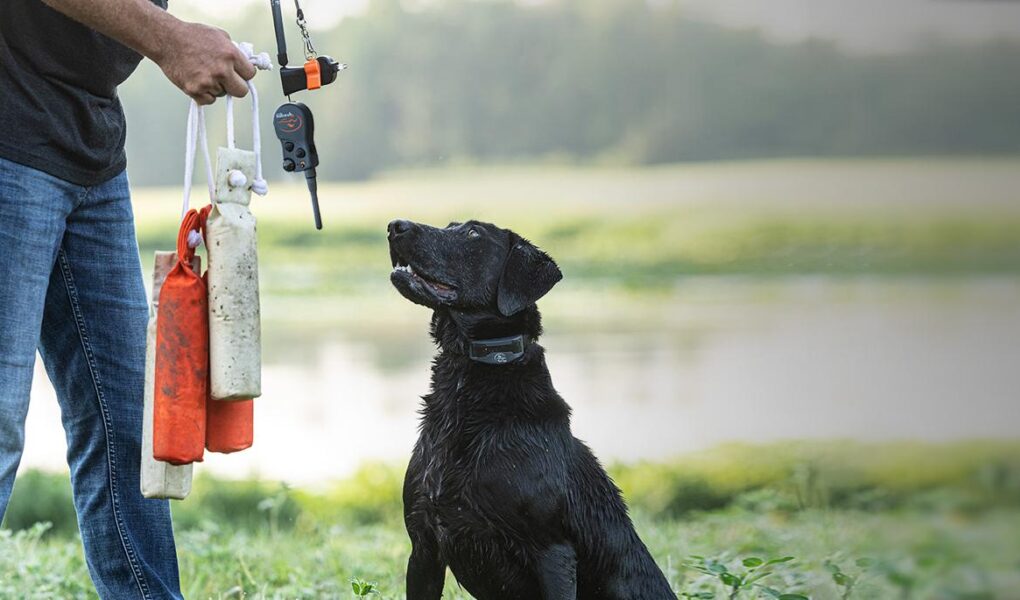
[{"x": 199, "y": 59}]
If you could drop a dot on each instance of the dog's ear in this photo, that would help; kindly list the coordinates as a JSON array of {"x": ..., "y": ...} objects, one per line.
[{"x": 528, "y": 275}]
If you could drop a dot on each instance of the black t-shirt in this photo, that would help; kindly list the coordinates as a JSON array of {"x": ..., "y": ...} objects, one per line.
[{"x": 58, "y": 93}]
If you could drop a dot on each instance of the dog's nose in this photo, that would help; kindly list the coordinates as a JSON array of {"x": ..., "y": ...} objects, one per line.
[{"x": 399, "y": 227}]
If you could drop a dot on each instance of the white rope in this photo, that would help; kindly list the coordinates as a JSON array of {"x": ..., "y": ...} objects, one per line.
[
  {"x": 230, "y": 122},
  {"x": 189, "y": 158},
  {"x": 210, "y": 177},
  {"x": 262, "y": 62},
  {"x": 196, "y": 133},
  {"x": 259, "y": 186}
]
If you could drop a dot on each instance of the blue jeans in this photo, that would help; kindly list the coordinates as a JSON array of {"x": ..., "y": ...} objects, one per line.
[{"x": 72, "y": 287}]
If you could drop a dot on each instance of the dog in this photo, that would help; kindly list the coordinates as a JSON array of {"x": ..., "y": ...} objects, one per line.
[{"x": 497, "y": 488}]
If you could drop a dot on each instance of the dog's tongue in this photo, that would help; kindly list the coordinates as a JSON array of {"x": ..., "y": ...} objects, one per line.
[{"x": 444, "y": 289}]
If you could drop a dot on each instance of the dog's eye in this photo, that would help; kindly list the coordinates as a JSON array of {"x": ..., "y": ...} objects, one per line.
[{"x": 473, "y": 233}]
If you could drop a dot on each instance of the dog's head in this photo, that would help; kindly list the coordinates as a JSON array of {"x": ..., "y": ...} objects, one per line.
[{"x": 469, "y": 266}]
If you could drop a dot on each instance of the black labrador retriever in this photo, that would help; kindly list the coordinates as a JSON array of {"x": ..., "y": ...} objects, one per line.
[{"x": 497, "y": 488}]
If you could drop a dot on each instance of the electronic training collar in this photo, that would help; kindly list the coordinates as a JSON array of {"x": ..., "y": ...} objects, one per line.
[{"x": 500, "y": 351}]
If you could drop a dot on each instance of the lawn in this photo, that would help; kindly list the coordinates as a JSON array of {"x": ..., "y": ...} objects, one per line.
[
  {"x": 860, "y": 521},
  {"x": 906, "y": 555}
]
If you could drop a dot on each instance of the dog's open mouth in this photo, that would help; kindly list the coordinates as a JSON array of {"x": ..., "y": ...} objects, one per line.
[{"x": 439, "y": 290}]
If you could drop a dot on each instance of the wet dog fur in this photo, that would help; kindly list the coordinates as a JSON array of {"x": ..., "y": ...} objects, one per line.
[{"x": 498, "y": 489}]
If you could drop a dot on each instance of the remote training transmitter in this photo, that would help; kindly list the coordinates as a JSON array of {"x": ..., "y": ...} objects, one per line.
[{"x": 295, "y": 128}]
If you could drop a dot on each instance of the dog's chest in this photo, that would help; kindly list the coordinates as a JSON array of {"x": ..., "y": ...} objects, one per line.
[
  {"x": 457, "y": 488},
  {"x": 447, "y": 486},
  {"x": 469, "y": 526},
  {"x": 478, "y": 504},
  {"x": 475, "y": 478},
  {"x": 482, "y": 466}
]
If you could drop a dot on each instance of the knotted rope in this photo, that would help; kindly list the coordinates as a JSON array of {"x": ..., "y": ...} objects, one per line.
[{"x": 196, "y": 133}]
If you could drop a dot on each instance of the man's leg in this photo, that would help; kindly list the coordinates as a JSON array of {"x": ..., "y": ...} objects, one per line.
[
  {"x": 93, "y": 344},
  {"x": 33, "y": 207}
]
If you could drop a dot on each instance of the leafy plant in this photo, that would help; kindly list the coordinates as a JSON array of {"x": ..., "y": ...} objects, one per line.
[
  {"x": 363, "y": 588},
  {"x": 845, "y": 581},
  {"x": 738, "y": 580}
]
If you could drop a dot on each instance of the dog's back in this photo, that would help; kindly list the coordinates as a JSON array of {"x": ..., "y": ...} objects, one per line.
[{"x": 613, "y": 562}]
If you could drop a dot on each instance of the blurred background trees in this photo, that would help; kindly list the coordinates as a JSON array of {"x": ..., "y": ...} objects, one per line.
[{"x": 619, "y": 82}]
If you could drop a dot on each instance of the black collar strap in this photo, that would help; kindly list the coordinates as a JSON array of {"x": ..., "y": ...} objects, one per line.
[{"x": 499, "y": 351}]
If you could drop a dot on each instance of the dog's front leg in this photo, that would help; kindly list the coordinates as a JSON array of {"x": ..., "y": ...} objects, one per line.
[
  {"x": 557, "y": 574},
  {"x": 426, "y": 572}
]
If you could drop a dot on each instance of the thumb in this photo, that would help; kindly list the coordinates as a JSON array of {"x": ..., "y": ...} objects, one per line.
[{"x": 242, "y": 66}]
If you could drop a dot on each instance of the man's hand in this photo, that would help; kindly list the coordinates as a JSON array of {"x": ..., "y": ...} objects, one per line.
[
  {"x": 200, "y": 60},
  {"x": 204, "y": 63}
]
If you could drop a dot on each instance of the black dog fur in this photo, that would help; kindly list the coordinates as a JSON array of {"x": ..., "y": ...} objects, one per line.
[{"x": 497, "y": 488}]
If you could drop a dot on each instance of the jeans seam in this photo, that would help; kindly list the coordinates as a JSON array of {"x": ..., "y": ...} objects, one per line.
[
  {"x": 83, "y": 196},
  {"x": 79, "y": 319}
]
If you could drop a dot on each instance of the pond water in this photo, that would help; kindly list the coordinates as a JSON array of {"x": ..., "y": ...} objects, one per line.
[{"x": 715, "y": 360}]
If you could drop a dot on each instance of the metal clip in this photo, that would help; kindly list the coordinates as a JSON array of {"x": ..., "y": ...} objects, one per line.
[{"x": 310, "y": 53}]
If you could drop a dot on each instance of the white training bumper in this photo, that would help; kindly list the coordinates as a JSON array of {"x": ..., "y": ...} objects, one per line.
[{"x": 235, "y": 334}]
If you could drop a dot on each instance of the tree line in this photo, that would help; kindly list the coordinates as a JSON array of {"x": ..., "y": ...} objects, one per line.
[{"x": 622, "y": 82}]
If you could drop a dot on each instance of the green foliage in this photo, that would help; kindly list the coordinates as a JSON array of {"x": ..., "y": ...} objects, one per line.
[
  {"x": 249, "y": 505},
  {"x": 948, "y": 527},
  {"x": 749, "y": 578},
  {"x": 783, "y": 478},
  {"x": 370, "y": 496},
  {"x": 845, "y": 581},
  {"x": 33, "y": 565},
  {"x": 363, "y": 589},
  {"x": 910, "y": 554},
  {"x": 794, "y": 476},
  {"x": 42, "y": 498}
]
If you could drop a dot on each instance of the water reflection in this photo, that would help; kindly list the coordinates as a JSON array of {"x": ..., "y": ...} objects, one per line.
[{"x": 719, "y": 360}]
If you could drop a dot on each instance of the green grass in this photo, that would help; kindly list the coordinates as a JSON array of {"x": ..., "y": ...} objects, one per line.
[
  {"x": 904, "y": 520},
  {"x": 915, "y": 555}
]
